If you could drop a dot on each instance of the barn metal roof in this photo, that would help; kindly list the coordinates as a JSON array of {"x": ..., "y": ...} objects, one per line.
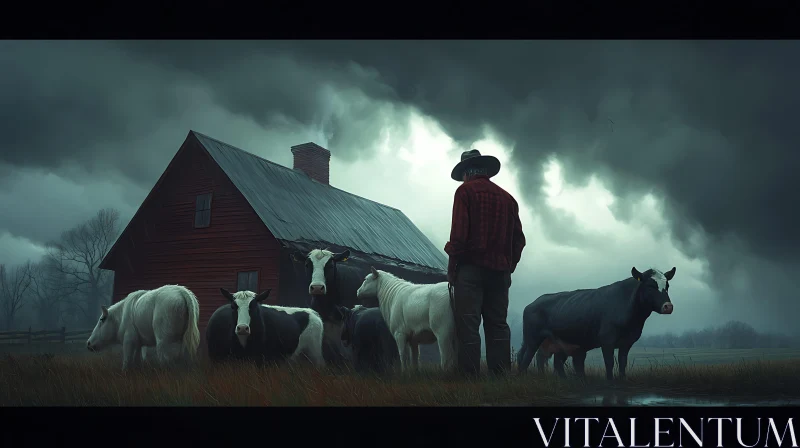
[{"x": 298, "y": 209}]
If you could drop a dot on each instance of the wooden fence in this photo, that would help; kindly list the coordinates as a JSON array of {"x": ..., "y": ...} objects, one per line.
[{"x": 27, "y": 337}]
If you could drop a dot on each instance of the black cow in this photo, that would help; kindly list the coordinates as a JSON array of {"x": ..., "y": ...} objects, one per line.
[
  {"x": 247, "y": 330},
  {"x": 610, "y": 317},
  {"x": 366, "y": 333},
  {"x": 331, "y": 283}
]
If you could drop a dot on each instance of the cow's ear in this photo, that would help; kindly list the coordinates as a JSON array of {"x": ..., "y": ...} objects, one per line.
[
  {"x": 227, "y": 295},
  {"x": 342, "y": 256},
  {"x": 636, "y": 274},
  {"x": 669, "y": 274},
  {"x": 374, "y": 271},
  {"x": 296, "y": 257},
  {"x": 262, "y": 296}
]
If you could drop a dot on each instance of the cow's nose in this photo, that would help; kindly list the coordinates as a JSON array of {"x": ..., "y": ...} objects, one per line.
[
  {"x": 242, "y": 329},
  {"x": 317, "y": 289},
  {"x": 667, "y": 308}
]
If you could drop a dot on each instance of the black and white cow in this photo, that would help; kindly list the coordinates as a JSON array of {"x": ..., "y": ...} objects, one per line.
[
  {"x": 365, "y": 332},
  {"x": 331, "y": 283},
  {"x": 610, "y": 317},
  {"x": 246, "y": 329}
]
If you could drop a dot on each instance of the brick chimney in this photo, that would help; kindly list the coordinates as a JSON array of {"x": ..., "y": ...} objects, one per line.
[{"x": 314, "y": 160}]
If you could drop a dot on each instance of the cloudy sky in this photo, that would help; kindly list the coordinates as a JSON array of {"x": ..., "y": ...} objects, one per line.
[{"x": 651, "y": 153}]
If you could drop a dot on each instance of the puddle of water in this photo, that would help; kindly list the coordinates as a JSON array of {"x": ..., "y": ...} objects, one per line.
[{"x": 659, "y": 400}]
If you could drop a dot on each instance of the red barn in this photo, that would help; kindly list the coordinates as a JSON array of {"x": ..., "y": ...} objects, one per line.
[{"x": 222, "y": 217}]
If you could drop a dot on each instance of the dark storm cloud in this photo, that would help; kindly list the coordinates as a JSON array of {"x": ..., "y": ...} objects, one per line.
[
  {"x": 270, "y": 83},
  {"x": 90, "y": 103},
  {"x": 40, "y": 205},
  {"x": 69, "y": 102}
]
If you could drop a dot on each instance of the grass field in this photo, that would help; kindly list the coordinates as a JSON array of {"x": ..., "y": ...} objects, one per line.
[
  {"x": 44, "y": 348},
  {"x": 97, "y": 380},
  {"x": 640, "y": 356}
]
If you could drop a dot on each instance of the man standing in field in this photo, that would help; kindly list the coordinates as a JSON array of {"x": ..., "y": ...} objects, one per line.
[{"x": 486, "y": 242}]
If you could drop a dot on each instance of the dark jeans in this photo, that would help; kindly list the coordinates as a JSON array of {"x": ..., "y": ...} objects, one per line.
[{"x": 480, "y": 292}]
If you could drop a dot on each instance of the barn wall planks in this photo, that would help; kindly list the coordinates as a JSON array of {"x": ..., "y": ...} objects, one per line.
[{"x": 163, "y": 247}]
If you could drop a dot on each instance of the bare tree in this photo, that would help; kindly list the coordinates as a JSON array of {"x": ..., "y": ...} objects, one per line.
[
  {"x": 13, "y": 285},
  {"x": 77, "y": 255},
  {"x": 49, "y": 290}
]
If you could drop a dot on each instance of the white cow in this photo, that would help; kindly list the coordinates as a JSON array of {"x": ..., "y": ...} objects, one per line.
[
  {"x": 163, "y": 318},
  {"x": 415, "y": 314}
]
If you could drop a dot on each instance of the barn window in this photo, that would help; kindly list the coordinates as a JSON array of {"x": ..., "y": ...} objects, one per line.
[
  {"x": 202, "y": 211},
  {"x": 248, "y": 281}
]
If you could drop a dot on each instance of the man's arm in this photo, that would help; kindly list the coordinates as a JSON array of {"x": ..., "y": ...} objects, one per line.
[
  {"x": 459, "y": 231},
  {"x": 518, "y": 240}
]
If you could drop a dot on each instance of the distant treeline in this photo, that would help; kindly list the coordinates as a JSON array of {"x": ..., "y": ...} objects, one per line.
[
  {"x": 732, "y": 335},
  {"x": 65, "y": 287}
]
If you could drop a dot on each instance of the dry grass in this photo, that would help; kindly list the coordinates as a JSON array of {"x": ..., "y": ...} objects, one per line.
[{"x": 47, "y": 380}]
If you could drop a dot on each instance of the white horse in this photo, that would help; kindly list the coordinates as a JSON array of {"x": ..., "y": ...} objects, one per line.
[
  {"x": 163, "y": 318},
  {"x": 416, "y": 314}
]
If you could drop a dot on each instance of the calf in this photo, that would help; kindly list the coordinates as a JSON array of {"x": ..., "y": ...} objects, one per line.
[
  {"x": 246, "y": 329},
  {"x": 366, "y": 333},
  {"x": 560, "y": 349},
  {"x": 610, "y": 317}
]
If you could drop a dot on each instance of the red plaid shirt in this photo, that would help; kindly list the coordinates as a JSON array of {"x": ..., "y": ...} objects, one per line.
[{"x": 486, "y": 229}]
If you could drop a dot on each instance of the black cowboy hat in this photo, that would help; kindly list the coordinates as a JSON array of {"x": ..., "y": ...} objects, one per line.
[{"x": 474, "y": 159}]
